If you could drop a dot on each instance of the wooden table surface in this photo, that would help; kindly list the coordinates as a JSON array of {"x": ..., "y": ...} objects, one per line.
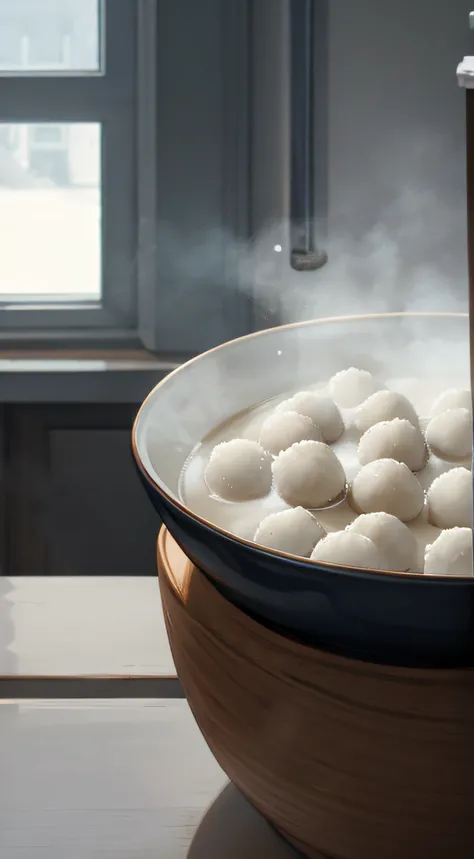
[
  {"x": 63, "y": 636},
  {"x": 107, "y": 625},
  {"x": 102, "y": 779},
  {"x": 119, "y": 779},
  {"x": 126, "y": 776}
]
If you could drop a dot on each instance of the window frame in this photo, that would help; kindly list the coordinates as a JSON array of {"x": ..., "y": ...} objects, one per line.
[
  {"x": 209, "y": 154},
  {"x": 189, "y": 147},
  {"x": 107, "y": 97}
]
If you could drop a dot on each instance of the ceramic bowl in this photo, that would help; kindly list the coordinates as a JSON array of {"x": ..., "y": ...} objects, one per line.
[{"x": 397, "y": 618}]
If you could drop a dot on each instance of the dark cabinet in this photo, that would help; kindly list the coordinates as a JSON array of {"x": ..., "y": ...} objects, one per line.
[{"x": 72, "y": 503}]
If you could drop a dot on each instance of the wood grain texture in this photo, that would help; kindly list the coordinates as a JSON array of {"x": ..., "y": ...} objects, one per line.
[{"x": 349, "y": 760}]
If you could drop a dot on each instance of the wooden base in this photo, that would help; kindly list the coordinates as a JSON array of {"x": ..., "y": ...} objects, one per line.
[{"x": 344, "y": 758}]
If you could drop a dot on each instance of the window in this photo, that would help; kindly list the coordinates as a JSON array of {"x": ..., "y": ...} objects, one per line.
[
  {"x": 10, "y": 43},
  {"x": 124, "y": 172},
  {"x": 50, "y": 35},
  {"x": 50, "y": 213},
  {"x": 68, "y": 166}
]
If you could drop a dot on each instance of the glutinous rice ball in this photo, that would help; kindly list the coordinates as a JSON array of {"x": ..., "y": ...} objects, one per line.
[
  {"x": 239, "y": 470},
  {"x": 450, "y": 499},
  {"x": 449, "y": 434},
  {"x": 322, "y": 411},
  {"x": 387, "y": 486},
  {"x": 309, "y": 474},
  {"x": 349, "y": 388},
  {"x": 397, "y": 439},
  {"x": 450, "y": 554},
  {"x": 293, "y": 531},
  {"x": 349, "y": 550},
  {"x": 454, "y": 398},
  {"x": 282, "y": 429},
  {"x": 393, "y": 539},
  {"x": 384, "y": 406}
]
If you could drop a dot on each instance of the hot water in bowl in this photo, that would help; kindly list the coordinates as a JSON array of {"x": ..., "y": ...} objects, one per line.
[{"x": 325, "y": 569}]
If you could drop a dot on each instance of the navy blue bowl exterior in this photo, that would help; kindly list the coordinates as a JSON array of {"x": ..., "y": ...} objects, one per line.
[{"x": 347, "y": 611}]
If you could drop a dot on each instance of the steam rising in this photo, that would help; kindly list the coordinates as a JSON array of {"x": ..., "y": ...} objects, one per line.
[
  {"x": 413, "y": 259},
  {"x": 407, "y": 254},
  {"x": 394, "y": 243}
]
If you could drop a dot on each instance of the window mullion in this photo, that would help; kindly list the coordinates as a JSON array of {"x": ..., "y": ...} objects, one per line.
[
  {"x": 80, "y": 99},
  {"x": 119, "y": 217}
]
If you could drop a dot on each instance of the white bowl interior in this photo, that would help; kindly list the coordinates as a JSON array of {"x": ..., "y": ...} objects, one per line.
[{"x": 210, "y": 389}]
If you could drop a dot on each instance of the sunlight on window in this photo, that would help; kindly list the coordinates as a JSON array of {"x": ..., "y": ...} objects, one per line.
[
  {"x": 49, "y": 36},
  {"x": 50, "y": 212}
]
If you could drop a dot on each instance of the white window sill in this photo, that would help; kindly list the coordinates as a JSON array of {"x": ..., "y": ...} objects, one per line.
[{"x": 83, "y": 627}]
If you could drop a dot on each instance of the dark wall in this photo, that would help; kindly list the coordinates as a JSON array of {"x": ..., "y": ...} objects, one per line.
[{"x": 396, "y": 115}]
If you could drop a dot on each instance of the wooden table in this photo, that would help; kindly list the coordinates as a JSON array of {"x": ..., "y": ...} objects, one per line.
[
  {"x": 102, "y": 779},
  {"x": 83, "y": 637},
  {"x": 85, "y": 776},
  {"x": 118, "y": 780}
]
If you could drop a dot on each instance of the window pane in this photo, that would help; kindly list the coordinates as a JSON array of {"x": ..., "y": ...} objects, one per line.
[
  {"x": 49, "y": 36},
  {"x": 50, "y": 212}
]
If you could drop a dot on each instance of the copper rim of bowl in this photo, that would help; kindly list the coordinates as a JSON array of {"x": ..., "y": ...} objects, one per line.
[{"x": 306, "y": 563}]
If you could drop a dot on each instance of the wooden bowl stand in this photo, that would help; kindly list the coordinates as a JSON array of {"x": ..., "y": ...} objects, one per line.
[{"x": 345, "y": 759}]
